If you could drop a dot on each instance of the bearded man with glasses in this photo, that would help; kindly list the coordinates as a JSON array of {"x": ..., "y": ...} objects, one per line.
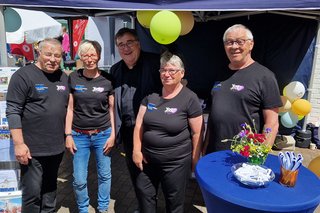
[
  {"x": 247, "y": 93},
  {"x": 136, "y": 76}
]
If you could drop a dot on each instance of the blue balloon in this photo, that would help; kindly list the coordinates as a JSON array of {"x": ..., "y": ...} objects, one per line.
[{"x": 289, "y": 120}]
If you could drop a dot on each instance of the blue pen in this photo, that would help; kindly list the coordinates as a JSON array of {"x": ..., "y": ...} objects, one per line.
[
  {"x": 288, "y": 163},
  {"x": 296, "y": 166},
  {"x": 282, "y": 159},
  {"x": 293, "y": 164},
  {"x": 298, "y": 163}
]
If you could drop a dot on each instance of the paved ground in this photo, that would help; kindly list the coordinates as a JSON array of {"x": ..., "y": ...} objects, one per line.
[{"x": 122, "y": 195}]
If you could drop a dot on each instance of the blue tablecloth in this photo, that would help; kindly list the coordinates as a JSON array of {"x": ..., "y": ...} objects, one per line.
[{"x": 223, "y": 193}]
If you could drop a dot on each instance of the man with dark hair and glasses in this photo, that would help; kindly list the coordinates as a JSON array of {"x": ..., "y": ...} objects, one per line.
[
  {"x": 136, "y": 76},
  {"x": 247, "y": 93}
]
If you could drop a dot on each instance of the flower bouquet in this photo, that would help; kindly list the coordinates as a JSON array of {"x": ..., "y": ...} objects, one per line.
[{"x": 251, "y": 144}]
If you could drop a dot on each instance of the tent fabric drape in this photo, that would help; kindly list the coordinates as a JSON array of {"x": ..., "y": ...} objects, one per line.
[{"x": 208, "y": 5}]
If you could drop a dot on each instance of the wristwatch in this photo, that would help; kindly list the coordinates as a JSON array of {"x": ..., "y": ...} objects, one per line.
[{"x": 66, "y": 135}]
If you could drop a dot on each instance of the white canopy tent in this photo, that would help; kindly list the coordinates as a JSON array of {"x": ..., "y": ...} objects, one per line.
[{"x": 35, "y": 26}]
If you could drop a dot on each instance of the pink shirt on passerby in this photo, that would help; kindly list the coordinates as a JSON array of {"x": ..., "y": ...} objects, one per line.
[{"x": 65, "y": 43}]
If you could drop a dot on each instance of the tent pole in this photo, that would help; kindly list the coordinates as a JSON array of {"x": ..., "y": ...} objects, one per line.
[{"x": 3, "y": 42}]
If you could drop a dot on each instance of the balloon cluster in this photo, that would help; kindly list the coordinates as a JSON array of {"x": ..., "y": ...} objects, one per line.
[
  {"x": 293, "y": 107},
  {"x": 166, "y": 26}
]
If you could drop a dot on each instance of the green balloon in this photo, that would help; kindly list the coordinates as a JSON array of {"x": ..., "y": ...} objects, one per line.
[
  {"x": 12, "y": 20},
  {"x": 165, "y": 27}
]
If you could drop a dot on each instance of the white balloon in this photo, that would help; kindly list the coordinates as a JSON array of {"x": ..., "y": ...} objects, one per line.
[{"x": 295, "y": 90}]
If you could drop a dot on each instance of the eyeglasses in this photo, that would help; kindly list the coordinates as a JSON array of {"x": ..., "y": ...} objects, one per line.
[
  {"x": 129, "y": 44},
  {"x": 170, "y": 71},
  {"x": 86, "y": 57},
  {"x": 239, "y": 42}
]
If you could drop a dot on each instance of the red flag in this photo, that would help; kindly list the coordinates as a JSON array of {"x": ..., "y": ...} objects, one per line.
[
  {"x": 79, "y": 26},
  {"x": 23, "y": 49}
]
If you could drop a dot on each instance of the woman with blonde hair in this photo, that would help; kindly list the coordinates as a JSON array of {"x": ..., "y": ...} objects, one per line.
[{"x": 90, "y": 125}]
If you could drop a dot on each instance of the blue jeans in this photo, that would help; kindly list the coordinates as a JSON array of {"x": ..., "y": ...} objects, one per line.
[{"x": 86, "y": 143}]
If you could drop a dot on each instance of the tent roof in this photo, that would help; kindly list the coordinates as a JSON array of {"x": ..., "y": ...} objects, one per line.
[
  {"x": 203, "y": 10},
  {"x": 96, "y": 6},
  {"x": 172, "y": 4}
]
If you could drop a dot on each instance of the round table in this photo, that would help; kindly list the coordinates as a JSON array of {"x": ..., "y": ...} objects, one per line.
[{"x": 222, "y": 192}]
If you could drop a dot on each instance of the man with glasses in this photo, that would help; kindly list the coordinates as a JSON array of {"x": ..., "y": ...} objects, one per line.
[
  {"x": 247, "y": 93},
  {"x": 37, "y": 102},
  {"x": 136, "y": 76}
]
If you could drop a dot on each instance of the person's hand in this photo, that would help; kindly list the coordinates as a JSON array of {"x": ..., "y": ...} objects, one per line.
[
  {"x": 108, "y": 145},
  {"x": 138, "y": 158},
  {"x": 70, "y": 145},
  {"x": 22, "y": 153},
  {"x": 194, "y": 163}
]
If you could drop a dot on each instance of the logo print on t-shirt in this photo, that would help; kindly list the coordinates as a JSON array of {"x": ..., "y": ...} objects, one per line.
[
  {"x": 97, "y": 89},
  {"x": 151, "y": 107},
  {"x": 216, "y": 86},
  {"x": 61, "y": 88},
  {"x": 80, "y": 88},
  {"x": 41, "y": 88},
  {"x": 237, "y": 88},
  {"x": 170, "y": 110}
]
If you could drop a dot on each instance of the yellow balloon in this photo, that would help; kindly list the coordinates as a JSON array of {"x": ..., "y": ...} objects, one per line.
[
  {"x": 286, "y": 104},
  {"x": 144, "y": 17},
  {"x": 300, "y": 117},
  {"x": 314, "y": 166},
  {"x": 187, "y": 21},
  {"x": 284, "y": 92},
  {"x": 165, "y": 27},
  {"x": 301, "y": 107}
]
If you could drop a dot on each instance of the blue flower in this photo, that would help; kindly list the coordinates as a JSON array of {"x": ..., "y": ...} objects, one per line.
[
  {"x": 268, "y": 130},
  {"x": 242, "y": 133}
]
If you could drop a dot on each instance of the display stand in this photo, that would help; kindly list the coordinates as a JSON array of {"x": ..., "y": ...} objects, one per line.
[{"x": 10, "y": 195}]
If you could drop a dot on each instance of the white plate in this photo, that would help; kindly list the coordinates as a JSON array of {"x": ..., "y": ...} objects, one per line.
[{"x": 252, "y": 175}]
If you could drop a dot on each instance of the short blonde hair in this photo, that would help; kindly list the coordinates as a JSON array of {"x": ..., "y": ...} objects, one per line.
[{"x": 85, "y": 45}]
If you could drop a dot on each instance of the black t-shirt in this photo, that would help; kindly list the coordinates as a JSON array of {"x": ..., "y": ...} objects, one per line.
[
  {"x": 90, "y": 100},
  {"x": 40, "y": 101},
  {"x": 166, "y": 135},
  {"x": 241, "y": 98}
]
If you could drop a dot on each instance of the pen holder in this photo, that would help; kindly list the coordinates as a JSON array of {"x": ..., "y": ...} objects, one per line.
[{"x": 288, "y": 177}]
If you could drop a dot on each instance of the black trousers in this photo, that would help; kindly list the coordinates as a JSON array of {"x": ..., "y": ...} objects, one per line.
[
  {"x": 127, "y": 140},
  {"x": 39, "y": 184},
  {"x": 173, "y": 177}
]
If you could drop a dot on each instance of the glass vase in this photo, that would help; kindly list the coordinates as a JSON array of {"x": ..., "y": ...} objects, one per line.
[{"x": 257, "y": 160}]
